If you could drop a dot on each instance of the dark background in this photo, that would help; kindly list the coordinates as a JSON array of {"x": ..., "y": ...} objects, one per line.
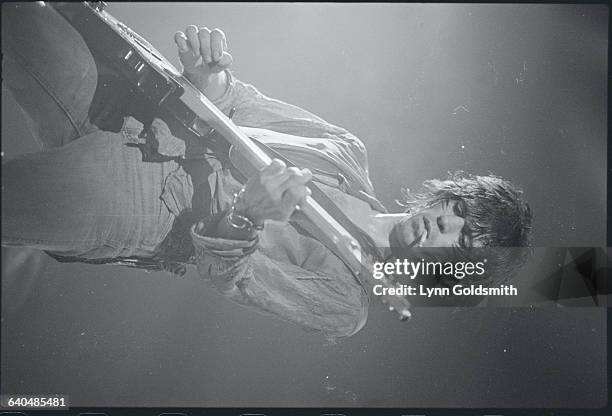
[{"x": 517, "y": 90}]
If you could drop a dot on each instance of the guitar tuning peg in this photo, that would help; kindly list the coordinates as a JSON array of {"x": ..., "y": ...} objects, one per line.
[{"x": 391, "y": 308}]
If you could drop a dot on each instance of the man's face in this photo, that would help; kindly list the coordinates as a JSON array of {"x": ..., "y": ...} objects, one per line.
[{"x": 441, "y": 225}]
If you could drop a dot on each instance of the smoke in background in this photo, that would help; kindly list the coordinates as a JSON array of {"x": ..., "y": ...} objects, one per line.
[{"x": 519, "y": 90}]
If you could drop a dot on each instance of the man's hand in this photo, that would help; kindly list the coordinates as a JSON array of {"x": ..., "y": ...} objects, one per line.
[
  {"x": 274, "y": 193},
  {"x": 203, "y": 54},
  {"x": 271, "y": 195}
]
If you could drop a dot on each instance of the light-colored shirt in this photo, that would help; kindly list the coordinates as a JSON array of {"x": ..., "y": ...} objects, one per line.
[{"x": 287, "y": 273}]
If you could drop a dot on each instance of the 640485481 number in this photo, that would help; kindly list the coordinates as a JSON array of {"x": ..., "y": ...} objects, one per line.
[{"x": 51, "y": 401}]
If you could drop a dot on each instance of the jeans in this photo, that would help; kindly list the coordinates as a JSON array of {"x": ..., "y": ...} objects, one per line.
[{"x": 86, "y": 193}]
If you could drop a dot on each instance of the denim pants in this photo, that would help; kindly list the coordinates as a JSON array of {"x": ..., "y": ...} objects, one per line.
[{"x": 86, "y": 193}]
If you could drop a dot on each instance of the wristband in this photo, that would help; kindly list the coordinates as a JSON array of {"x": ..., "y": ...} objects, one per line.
[{"x": 240, "y": 222}]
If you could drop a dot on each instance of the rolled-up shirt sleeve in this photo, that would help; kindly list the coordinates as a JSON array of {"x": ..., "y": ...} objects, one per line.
[
  {"x": 287, "y": 275},
  {"x": 253, "y": 109}
]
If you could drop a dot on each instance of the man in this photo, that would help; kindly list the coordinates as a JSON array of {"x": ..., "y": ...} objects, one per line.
[{"x": 90, "y": 197}]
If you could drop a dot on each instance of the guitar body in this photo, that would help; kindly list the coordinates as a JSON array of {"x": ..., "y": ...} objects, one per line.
[{"x": 148, "y": 83}]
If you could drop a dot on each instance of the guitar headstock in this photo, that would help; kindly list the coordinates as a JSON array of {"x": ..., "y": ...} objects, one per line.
[{"x": 394, "y": 303}]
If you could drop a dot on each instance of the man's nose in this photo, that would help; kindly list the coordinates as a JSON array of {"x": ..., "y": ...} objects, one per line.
[{"x": 450, "y": 223}]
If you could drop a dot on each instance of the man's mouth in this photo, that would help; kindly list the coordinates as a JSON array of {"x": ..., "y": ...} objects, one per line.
[
  {"x": 418, "y": 242},
  {"x": 422, "y": 236}
]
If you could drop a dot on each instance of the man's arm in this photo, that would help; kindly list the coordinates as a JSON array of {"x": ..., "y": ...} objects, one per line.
[
  {"x": 292, "y": 277},
  {"x": 286, "y": 275},
  {"x": 206, "y": 61},
  {"x": 278, "y": 271}
]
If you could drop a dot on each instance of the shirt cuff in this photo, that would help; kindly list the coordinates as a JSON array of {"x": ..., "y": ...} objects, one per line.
[{"x": 220, "y": 247}]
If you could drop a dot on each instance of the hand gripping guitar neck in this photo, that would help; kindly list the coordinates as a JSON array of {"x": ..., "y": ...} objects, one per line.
[{"x": 156, "y": 79}]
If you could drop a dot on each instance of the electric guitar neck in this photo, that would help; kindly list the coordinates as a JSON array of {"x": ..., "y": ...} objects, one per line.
[{"x": 163, "y": 85}]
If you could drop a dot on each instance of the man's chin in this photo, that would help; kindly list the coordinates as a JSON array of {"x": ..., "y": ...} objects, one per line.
[{"x": 395, "y": 240}]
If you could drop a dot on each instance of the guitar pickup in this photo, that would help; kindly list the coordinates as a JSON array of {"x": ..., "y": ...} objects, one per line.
[{"x": 134, "y": 61}]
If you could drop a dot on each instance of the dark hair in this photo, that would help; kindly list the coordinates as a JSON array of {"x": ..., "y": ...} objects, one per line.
[{"x": 496, "y": 214}]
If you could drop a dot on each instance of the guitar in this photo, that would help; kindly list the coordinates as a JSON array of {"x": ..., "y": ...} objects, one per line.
[{"x": 156, "y": 79}]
